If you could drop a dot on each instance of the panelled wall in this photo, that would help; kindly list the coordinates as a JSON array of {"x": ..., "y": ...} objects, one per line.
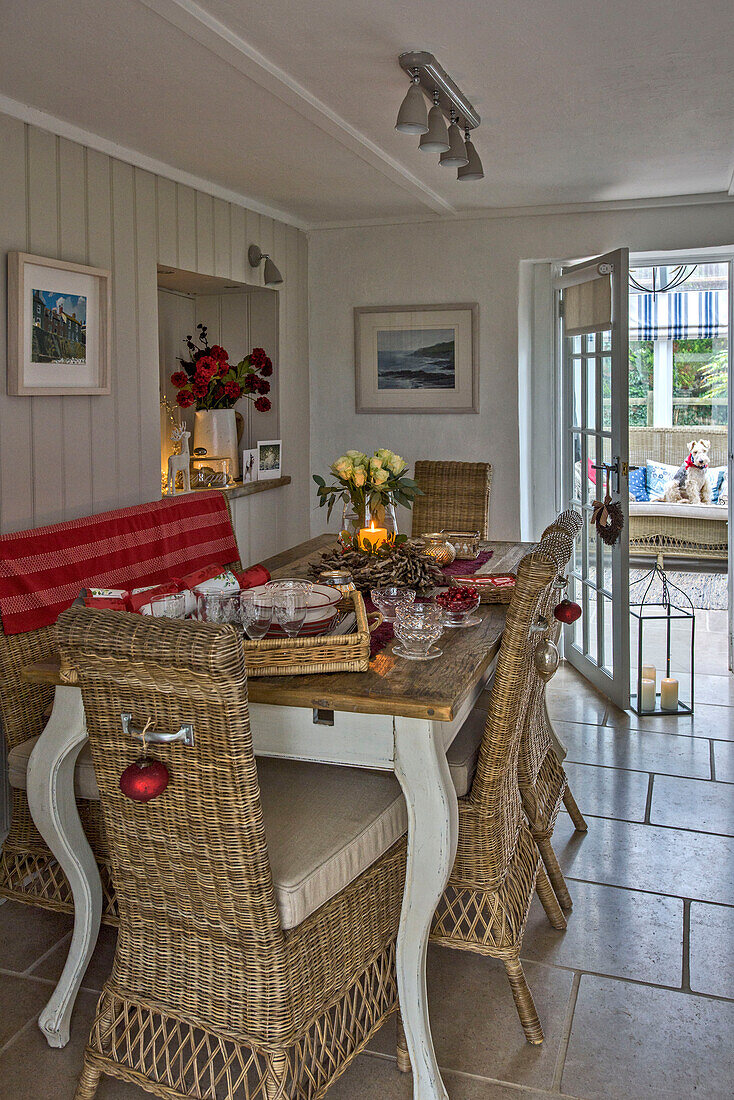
[{"x": 62, "y": 457}]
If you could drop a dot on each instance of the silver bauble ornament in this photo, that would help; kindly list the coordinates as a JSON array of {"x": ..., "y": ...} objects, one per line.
[{"x": 546, "y": 658}]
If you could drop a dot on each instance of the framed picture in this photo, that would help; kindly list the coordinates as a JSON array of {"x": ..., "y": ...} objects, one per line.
[
  {"x": 268, "y": 459},
  {"x": 249, "y": 465},
  {"x": 58, "y": 327},
  {"x": 412, "y": 359}
]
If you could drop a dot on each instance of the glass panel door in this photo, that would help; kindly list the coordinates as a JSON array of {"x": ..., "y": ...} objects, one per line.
[{"x": 594, "y": 451}]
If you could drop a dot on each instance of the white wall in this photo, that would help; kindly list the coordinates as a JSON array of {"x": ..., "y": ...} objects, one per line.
[
  {"x": 62, "y": 457},
  {"x": 460, "y": 261}
]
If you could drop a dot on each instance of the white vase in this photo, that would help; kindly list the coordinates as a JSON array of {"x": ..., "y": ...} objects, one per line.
[{"x": 216, "y": 431}]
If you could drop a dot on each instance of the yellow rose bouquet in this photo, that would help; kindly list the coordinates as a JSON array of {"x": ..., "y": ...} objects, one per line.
[{"x": 369, "y": 484}]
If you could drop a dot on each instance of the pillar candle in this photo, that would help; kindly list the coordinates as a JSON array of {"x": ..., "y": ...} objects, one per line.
[
  {"x": 649, "y": 672},
  {"x": 371, "y": 537},
  {"x": 669, "y": 694},
  {"x": 647, "y": 695}
]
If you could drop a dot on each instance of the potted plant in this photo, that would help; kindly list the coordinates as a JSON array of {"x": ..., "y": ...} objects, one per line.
[
  {"x": 369, "y": 487},
  {"x": 214, "y": 385}
]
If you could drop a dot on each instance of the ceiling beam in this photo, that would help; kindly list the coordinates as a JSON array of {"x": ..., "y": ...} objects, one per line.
[{"x": 215, "y": 36}]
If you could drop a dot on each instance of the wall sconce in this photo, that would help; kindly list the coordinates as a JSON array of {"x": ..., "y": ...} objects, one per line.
[{"x": 271, "y": 274}]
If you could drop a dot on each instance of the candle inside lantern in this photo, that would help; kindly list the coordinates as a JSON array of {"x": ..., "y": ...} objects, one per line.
[
  {"x": 669, "y": 693},
  {"x": 649, "y": 672},
  {"x": 371, "y": 537},
  {"x": 647, "y": 695}
]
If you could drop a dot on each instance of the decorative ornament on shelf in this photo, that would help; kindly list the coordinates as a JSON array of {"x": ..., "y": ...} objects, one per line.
[
  {"x": 567, "y": 611},
  {"x": 145, "y": 778},
  {"x": 546, "y": 659},
  {"x": 369, "y": 488},
  {"x": 181, "y": 462}
]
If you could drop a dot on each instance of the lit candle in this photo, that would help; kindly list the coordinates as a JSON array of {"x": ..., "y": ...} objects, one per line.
[
  {"x": 649, "y": 672},
  {"x": 647, "y": 695},
  {"x": 668, "y": 693},
  {"x": 371, "y": 537}
]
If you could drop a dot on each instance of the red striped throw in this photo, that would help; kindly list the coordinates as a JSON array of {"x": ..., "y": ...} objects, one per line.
[{"x": 42, "y": 570}]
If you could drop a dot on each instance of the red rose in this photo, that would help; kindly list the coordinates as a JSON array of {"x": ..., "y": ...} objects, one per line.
[
  {"x": 180, "y": 378},
  {"x": 186, "y": 398},
  {"x": 250, "y": 383},
  {"x": 257, "y": 357},
  {"x": 222, "y": 369},
  {"x": 260, "y": 385},
  {"x": 263, "y": 405},
  {"x": 206, "y": 367},
  {"x": 200, "y": 388},
  {"x": 233, "y": 390},
  {"x": 267, "y": 368},
  {"x": 218, "y": 352}
]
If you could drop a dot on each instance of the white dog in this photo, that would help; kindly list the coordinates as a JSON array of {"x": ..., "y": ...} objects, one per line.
[{"x": 691, "y": 485}]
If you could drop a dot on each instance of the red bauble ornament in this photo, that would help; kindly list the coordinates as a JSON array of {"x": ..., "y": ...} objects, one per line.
[
  {"x": 145, "y": 779},
  {"x": 567, "y": 611}
]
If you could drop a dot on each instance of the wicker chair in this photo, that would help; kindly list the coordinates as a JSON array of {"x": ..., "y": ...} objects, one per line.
[
  {"x": 29, "y": 873},
  {"x": 497, "y": 867},
  {"x": 456, "y": 497},
  {"x": 541, "y": 778},
  {"x": 224, "y": 983}
]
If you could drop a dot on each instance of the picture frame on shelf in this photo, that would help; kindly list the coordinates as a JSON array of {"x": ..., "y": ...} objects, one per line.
[
  {"x": 58, "y": 327},
  {"x": 417, "y": 359},
  {"x": 269, "y": 459},
  {"x": 249, "y": 465}
]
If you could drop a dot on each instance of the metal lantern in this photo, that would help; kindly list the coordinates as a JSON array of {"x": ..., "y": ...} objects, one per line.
[{"x": 662, "y": 603}]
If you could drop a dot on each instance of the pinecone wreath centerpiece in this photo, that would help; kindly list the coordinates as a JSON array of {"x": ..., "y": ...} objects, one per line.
[{"x": 402, "y": 564}]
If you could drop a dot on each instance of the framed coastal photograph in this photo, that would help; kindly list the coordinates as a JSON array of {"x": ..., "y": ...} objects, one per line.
[
  {"x": 58, "y": 327},
  {"x": 412, "y": 359},
  {"x": 269, "y": 459}
]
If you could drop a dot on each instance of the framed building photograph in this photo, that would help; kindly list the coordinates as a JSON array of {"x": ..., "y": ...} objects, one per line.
[
  {"x": 58, "y": 327},
  {"x": 412, "y": 359},
  {"x": 269, "y": 459}
]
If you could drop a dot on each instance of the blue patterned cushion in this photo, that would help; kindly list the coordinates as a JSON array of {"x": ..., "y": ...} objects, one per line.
[
  {"x": 722, "y": 494},
  {"x": 715, "y": 475},
  {"x": 658, "y": 474},
  {"x": 638, "y": 483}
]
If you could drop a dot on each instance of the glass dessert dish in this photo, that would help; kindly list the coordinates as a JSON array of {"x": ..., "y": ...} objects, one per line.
[
  {"x": 458, "y": 606},
  {"x": 387, "y": 599},
  {"x": 417, "y": 627}
]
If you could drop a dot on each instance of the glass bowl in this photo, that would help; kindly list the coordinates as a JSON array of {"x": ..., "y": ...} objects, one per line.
[
  {"x": 458, "y": 606},
  {"x": 418, "y": 626},
  {"x": 386, "y": 599}
]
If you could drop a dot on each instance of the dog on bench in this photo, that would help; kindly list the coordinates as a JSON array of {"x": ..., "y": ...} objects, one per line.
[{"x": 690, "y": 484}]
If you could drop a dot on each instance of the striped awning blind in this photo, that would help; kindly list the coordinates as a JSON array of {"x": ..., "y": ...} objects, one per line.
[{"x": 679, "y": 315}]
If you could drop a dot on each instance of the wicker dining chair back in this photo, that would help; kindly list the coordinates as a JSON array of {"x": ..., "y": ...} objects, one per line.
[
  {"x": 541, "y": 777},
  {"x": 190, "y": 868},
  {"x": 456, "y": 497},
  {"x": 497, "y": 867}
]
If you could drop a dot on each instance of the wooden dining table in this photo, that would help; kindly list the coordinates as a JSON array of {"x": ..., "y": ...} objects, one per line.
[{"x": 399, "y": 716}]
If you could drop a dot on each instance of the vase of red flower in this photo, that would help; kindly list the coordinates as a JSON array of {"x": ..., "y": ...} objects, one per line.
[{"x": 209, "y": 381}]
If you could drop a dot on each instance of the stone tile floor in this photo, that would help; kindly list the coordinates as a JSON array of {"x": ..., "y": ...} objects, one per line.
[{"x": 636, "y": 997}]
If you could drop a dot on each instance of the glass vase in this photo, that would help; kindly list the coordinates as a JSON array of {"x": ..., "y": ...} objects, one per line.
[
  {"x": 353, "y": 517},
  {"x": 384, "y": 515}
]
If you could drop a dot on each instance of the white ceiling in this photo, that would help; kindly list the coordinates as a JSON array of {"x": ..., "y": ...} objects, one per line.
[{"x": 292, "y": 104}]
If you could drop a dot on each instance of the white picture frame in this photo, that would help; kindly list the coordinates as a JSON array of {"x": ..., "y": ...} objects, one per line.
[
  {"x": 58, "y": 327},
  {"x": 249, "y": 465},
  {"x": 269, "y": 459},
  {"x": 417, "y": 359}
]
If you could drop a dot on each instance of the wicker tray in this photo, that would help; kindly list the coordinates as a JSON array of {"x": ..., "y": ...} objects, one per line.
[
  {"x": 489, "y": 591},
  {"x": 325, "y": 653}
]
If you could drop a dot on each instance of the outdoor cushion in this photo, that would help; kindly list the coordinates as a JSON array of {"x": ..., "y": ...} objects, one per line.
[
  {"x": 324, "y": 825},
  {"x": 681, "y": 511},
  {"x": 715, "y": 475},
  {"x": 638, "y": 483},
  {"x": 658, "y": 474}
]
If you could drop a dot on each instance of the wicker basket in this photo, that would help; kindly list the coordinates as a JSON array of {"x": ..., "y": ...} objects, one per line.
[
  {"x": 326, "y": 653},
  {"x": 489, "y": 591}
]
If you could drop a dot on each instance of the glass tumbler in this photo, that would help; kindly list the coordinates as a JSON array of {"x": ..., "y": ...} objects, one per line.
[
  {"x": 172, "y": 606},
  {"x": 386, "y": 599},
  {"x": 217, "y": 607}
]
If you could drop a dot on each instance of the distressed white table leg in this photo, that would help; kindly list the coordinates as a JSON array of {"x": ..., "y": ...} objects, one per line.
[
  {"x": 54, "y": 812},
  {"x": 433, "y": 829}
]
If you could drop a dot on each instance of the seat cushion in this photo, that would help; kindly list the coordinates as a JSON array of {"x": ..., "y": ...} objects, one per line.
[
  {"x": 463, "y": 752},
  {"x": 324, "y": 825},
  {"x": 85, "y": 783},
  {"x": 666, "y": 510}
]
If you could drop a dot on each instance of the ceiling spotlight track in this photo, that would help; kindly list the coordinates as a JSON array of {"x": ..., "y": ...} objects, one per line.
[{"x": 428, "y": 80}]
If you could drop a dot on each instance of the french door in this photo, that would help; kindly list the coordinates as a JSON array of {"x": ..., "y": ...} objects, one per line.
[{"x": 593, "y": 338}]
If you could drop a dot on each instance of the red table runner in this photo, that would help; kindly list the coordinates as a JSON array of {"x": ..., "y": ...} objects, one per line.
[{"x": 42, "y": 570}]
